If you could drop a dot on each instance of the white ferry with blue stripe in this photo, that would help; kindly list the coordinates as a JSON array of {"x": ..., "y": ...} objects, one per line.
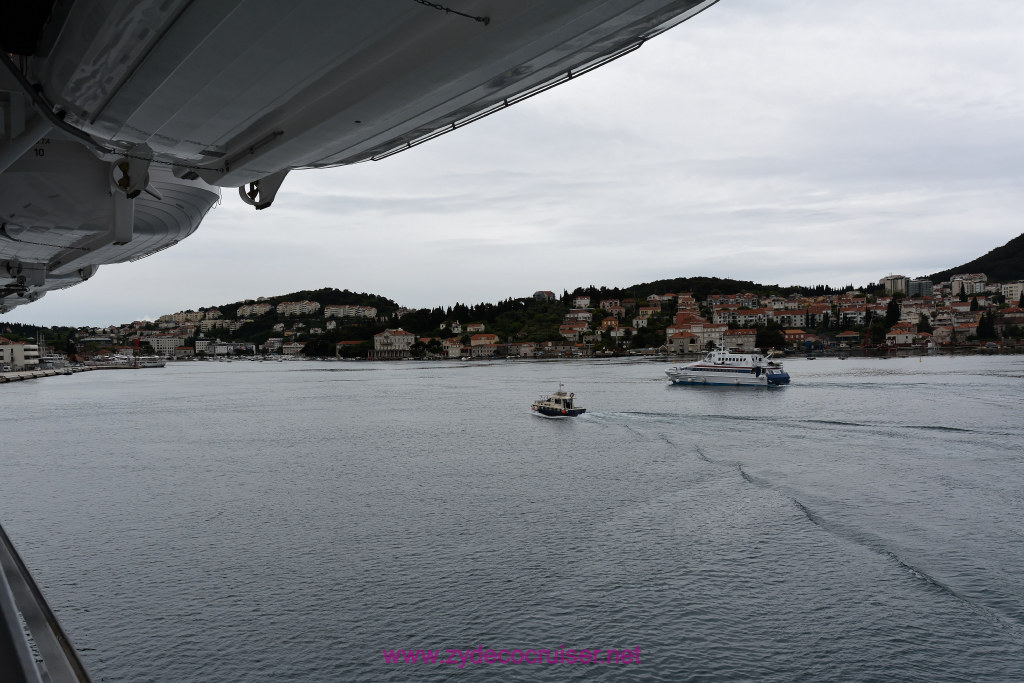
[{"x": 731, "y": 367}]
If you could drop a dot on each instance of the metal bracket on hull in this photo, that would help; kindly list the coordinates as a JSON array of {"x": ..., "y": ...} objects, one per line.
[
  {"x": 261, "y": 193},
  {"x": 131, "y": 172},
  {"x": 26, "y": 274}
]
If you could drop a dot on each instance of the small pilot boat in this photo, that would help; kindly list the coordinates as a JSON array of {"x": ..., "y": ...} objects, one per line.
[{"x": 558, "y": 404}]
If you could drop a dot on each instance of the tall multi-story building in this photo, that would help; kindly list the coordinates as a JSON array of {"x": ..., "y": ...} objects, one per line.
[
  {"x": 920, "y": 286},
  {"x": 894, "y": 284}
]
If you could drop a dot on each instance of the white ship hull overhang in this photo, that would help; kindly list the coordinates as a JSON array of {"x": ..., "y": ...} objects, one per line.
[{"x": 236, "y": 93}]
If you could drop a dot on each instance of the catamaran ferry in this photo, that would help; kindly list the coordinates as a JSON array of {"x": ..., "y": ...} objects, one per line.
[{"x": 732, "y": 368}]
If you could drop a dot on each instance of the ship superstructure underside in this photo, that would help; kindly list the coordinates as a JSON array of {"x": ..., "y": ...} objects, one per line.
[{"x": 120, "y": 120}]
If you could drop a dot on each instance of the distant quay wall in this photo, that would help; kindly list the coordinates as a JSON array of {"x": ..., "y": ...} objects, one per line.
[{"x": 36, "y": 374}]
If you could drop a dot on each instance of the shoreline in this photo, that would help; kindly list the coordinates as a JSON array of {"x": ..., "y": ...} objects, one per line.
[{"x": 1006, "y": 350}]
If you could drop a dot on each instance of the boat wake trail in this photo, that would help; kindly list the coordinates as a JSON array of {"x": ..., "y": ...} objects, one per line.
[
  {"x": 835, "y": 423},
  {"x": 878, "y": 545},
  {"x": 702, "y": 456},
  {"x": 941, "y": 428},
  {"x": 669, "y": 441}
]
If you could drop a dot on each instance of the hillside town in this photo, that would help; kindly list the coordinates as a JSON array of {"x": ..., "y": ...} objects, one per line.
[{"x": 898, "y": 313}]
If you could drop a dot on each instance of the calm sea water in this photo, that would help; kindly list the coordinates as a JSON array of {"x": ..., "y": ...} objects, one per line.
[{"x": 290, "y": 521}]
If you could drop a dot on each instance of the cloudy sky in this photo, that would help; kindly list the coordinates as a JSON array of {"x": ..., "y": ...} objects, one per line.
[{"x": 780, "y": 141}]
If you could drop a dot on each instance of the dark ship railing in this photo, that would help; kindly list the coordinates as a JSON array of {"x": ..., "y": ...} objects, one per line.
[{"x": 33, "y": 646}]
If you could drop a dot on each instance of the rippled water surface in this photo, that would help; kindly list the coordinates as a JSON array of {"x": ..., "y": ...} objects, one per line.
[{"x": 290, "y": 521}]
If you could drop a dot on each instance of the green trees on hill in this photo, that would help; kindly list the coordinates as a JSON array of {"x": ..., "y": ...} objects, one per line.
[
  {"x": 770, "y": 337},
  {"x": 892, "y": 312},
  {"x": 987, "y": 327},
  {"x": 700, "y": 287}
]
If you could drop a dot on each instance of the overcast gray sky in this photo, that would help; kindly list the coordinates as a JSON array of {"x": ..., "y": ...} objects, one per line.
[{"x": 780, "y": 141}]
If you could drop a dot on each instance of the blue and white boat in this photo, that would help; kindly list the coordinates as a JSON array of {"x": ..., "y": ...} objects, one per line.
[
  {"x": 731, "y": 367},
  {"x": 558, "y": 404}
]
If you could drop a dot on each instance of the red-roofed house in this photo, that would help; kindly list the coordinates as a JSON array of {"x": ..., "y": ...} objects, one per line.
[
  {"x": 482, "y": 339},
  {"x": 684, "y": 342},
  {"x": 794, "y": 337}
]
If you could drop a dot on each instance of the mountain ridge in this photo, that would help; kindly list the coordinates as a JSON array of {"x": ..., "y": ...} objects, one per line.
[{"x": 1002, "y": 264}]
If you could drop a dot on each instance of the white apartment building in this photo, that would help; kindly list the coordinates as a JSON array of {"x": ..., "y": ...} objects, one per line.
[
  {"x": 745, "y": 299},
  {"x": 746, "y": 317},
  {"x": 164, "y": 345},
  {"x": 181, "y": 317},
  {"x": 349, "y": 311},
  {"x": 18, "y": 355},
  {"x": 252, "y": 310},
  {"x": 1011, "y": 291},
  {"x": 297, "y": 308},
  {"x": 788, "y": 318}
]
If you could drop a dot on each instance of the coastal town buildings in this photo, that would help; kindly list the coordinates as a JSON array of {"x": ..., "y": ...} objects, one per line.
[{"x": 899, "y": 313}]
